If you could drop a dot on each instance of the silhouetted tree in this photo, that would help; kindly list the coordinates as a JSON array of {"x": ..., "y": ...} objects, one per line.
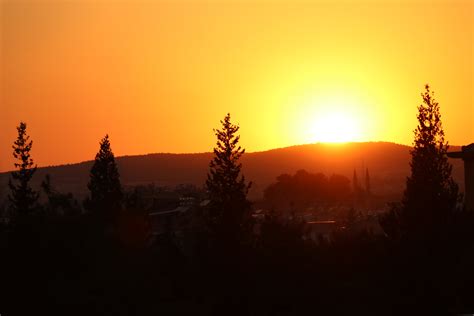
[
  {"x": 431, "y": 193},
  {"x": 355, "y": 182},
  {"x": 304, "y": 189},
  {"x": 22, "y": 197},
  {"x": 104, "y": 184},
  {"x": 226, "y": 186},
  {"x": 339, "y": 188},
  {"x": 59, "y": 203}
]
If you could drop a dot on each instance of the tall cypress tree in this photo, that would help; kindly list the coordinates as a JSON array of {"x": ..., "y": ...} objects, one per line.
[
  {"x": 22, "y": 197},
  {"x": 355, "y": 183},
  {"x": 367, "y": 181},
  {"x": 431, "y": 193},
  {"x": 226, "y": 185},
  {"x": 104, "y": 185}
]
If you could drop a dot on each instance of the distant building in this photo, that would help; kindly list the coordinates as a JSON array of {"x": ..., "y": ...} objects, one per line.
[
  {"x": 168, "y": 221},
  {"x": 467, "y": 155},
  {"x": 180, "y": 226},
  {"x": 175, "y": 219}
]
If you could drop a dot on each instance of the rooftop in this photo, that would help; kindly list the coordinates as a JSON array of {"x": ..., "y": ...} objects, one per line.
[{"x": 467, "y": 152}]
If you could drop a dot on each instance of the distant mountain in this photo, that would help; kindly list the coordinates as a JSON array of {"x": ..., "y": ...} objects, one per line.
[{"x": 388, "y": 165}]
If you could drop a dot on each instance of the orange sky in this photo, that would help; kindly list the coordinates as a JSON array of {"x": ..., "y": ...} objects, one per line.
[{"x": 157, "y": 76}]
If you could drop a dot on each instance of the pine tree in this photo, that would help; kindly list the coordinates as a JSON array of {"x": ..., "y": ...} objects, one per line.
[
  {"x": 22, "y": 198},
  {"x": 355, "y": 183},
  {"x": 104, "y": 185},
  {"x": 431, "y": 193},
  {"x": 367, "y": 181},
  {"x": 226, "y": 186}
]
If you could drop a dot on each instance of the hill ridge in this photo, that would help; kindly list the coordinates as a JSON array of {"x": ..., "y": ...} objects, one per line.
[{"x": 388, "y": 164}]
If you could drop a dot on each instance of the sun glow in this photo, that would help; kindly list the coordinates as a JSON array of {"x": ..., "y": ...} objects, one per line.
[
  {"x": 336, "y": 127},
  {"x": 333, "y": 118}
]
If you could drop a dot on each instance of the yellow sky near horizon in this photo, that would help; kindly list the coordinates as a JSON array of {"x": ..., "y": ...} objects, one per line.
[{"x": 157, "y": 76}]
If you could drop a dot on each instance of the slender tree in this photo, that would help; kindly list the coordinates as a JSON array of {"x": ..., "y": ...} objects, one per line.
[
  {"x": 104, "y": 185},
  {"x": 355, "y": 182},
  {"x": 367, "y": 181},
  {"x": 431, "y": 193},
  {"x": 22, "y": 198},
  {"x": 226, "y": 185}
]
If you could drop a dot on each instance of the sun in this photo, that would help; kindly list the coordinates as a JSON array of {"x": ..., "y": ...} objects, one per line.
[
  {"x": 336, "y": 127},
  {"x": 332, "y": 118}
]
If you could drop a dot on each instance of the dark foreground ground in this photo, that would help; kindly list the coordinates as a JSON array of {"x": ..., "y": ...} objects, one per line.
[{"x": 68, "y": 267}]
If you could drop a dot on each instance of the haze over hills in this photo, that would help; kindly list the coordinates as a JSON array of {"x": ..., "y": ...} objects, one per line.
[{"x": 388, "y": 165}]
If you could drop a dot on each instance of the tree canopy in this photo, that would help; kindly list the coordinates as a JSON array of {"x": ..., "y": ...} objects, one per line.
[
  {"x": 104, "y": 185},
  {"x": 304, "y": 189},
  {"x": 431, "y": 193},
  {"x": 22, "y": 197},
  {"x": 226, "y": 185}
]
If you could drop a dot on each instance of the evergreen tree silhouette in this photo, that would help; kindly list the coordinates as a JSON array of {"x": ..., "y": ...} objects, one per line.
[
  {"x": 104, "y": 185},
  {"x": 23, "y": 199},
  {"x": 226, "y": 186},
  {"x": 355, "y": 183},
  {"x": 431, "y": 193},
  {"x": 367, "y": 181}
]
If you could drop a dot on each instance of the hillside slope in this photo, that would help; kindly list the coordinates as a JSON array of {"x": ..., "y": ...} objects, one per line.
[{"x": 388, "y": 165}]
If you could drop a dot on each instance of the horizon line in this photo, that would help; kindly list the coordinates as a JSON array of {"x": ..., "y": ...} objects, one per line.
[{"x": 210, "y": 152}]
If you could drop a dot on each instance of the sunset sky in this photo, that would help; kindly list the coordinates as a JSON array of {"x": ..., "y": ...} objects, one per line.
[{"x": 159, "y": 75}]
